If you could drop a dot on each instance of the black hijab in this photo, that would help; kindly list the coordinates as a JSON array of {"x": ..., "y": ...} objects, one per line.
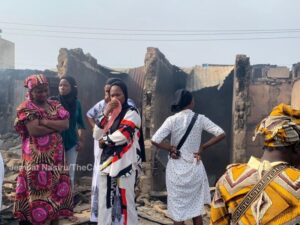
[
  {"x": 125, "y": 105},
  {"x": 112, "y": 80},
  {"x": 69, "y": 101},
  {"x": 182, "y": 99}
]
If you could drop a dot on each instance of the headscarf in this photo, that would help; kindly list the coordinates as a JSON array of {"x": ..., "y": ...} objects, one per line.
[
  {"x": 33, "y": 81},
  {"x": 182, "y": 99},
  {"x": 281, "y": 127},
  {"x": 69, "y": 101},
  {"x": 112, "y": 80},
  {"x": 125, "y": 105},
  {"x": 121, "y": 85}
]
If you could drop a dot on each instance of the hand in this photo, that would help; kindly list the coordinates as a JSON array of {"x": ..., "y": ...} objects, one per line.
[
  {"x": 110, "y": 107},
  {"x": 173, "y": 152},
  {"x": 197, "y": 156},
  {"x": 79, "y": 146},
  {"x": 101, "y": 143}
]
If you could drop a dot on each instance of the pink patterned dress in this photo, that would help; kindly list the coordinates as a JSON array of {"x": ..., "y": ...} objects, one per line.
[{"x": 43, "y": 191}]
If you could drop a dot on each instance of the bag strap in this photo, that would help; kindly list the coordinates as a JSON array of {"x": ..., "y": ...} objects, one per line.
[
  {"x": 187, "y": 132},
  {"x": 253, "y": 194}
]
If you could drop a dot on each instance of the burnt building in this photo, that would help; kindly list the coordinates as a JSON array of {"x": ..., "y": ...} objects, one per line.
[{"x": 236, "y": 97}]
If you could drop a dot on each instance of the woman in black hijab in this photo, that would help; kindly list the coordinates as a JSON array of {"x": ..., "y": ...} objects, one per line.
[
  {"x": 92, "y": 117},
  {"x": 72, "y": 137},
  {"x": 120, "y": 160}
]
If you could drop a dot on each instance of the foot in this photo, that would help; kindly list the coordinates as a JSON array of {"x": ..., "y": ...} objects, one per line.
[{"x": 73, "y": 219}]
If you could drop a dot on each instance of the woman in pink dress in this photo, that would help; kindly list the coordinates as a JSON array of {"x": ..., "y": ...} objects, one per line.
[{"x": 43, "y": 192}]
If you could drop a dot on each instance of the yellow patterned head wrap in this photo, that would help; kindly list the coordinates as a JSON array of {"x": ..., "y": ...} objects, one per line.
[{"x": 281, "y": 127}]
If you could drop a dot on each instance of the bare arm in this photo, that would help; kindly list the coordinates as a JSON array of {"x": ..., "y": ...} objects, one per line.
[
  {"x": 80, "y": 139},
  {"x": 80, "y": 134},
  {"x": 160, "y": 135},
  {"x": 57, "y": 125},
  {"x": 214, "y": 140},
  {"x": 91, "y": 122},
  {"x": 163, "y": 145},
  {"x": 166, "y": 146},
  {"x": 37, "y": 130}
]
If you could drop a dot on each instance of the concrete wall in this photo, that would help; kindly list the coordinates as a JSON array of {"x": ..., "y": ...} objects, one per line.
[
  {"x": 7, "y": 54},
  {"x": 296, "y": 71},
  {"x": 295, "y": 99},
  {"x": 263, "y": 98},
  {"x": 90, "y": 79},
  {"x": 258, "y": 90},
  {"x": 240, "y": 107},
  {"x": 278, "y": 72},
  {"x": 161, "y": 81}
]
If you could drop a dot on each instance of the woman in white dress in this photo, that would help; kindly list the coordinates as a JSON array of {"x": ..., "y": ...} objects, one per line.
[{"x": 186, "y": 179}]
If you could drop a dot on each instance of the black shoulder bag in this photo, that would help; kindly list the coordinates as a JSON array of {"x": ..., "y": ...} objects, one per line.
[{"x": 187, "y": 132}]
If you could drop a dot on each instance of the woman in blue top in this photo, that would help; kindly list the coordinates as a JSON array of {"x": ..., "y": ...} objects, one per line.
[{"x": 72, "y": 137}]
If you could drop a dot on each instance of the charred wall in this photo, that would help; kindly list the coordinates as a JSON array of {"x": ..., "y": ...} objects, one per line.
[
  {"x": 296, "y": 71},
  {"x": 216, "y": 104},
  {"x": 240, "y": 108},
  {"x": 91, "y": 78},
  {"x": 264, "y": 96},
  {"x": 295, "y": 99},
  {"x": 12, "y": 93},
  {"x": 257, "y": 92},
  {"x": 236, "y": 98},
  {"x": 161, "y": 81}
]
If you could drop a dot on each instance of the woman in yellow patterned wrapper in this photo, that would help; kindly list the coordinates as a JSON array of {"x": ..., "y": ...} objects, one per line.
[{"x": 279, "y": 202}]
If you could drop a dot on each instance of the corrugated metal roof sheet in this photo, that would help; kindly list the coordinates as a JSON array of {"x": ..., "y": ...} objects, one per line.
[
  {"x": 135, "y": 83},
  {"x": 206, "y": 76}
]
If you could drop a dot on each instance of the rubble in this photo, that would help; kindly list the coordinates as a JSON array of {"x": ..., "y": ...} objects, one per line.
[{"x": 9, "y": 140}]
